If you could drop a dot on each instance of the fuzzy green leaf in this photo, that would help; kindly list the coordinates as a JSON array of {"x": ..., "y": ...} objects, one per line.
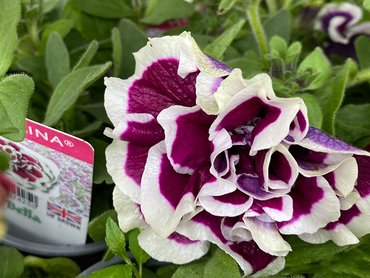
[
  {"x": 160, "y": 11},
  {"x": 279, "y": 25},
  {"x": 56, "y": 59},
  {"x": 366, "y": 5},
  {"x": 332, "y": 95},
  {"x": 225, "y": 6},
  {"x": 15, "y": 94},
  {"x": 69, "y": 89},
  {"x": 10, "y": 12},
  {"x": 104, "y": 9},
  {"x": 315, "y": 116},
  {"x": 352, "y": 124},
  {"x": 218, "y": 47},
  {"x": 115, "y": 239},
  {"x": 62, "y": 27},
  {"x": 139, "y": 254},
  {"x": 116, "y": 271},
  {"x": 100, "y": 169},
  {"x": 363, "y": 51},
  {"x": 97, "y": 226},
  {"x": 220, "y": 263},
  {"x": 319, "y": 64},
  {"x": 132, "y": 39},
  {"x": 117, "y": 51},
  {"x": 88, "y": 55},
  {"x": 11, "y": 262}
]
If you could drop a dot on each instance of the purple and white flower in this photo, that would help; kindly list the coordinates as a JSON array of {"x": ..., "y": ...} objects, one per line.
[
  {"x": 341, "y": 23},
  {"x": 201, "y": 155}
]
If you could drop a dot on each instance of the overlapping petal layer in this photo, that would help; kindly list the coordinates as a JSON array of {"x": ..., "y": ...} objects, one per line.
[{"x": 201, "y": 155}]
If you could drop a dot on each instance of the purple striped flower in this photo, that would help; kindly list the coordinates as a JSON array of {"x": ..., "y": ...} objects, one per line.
[
  {"x": 201, "y": 155},
  {"x": 341, "y": 23}
]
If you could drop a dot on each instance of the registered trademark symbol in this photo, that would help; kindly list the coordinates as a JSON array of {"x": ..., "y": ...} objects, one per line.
[{"x": 68, "y": 143}]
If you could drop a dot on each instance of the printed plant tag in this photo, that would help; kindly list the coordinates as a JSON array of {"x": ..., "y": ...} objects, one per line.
[{"x": 53, "y": 174}]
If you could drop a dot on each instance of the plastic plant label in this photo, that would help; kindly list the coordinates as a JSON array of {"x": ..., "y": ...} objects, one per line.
[{"x": 53, "y": 175}]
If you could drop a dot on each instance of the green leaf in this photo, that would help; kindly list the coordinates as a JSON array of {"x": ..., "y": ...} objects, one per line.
[
  {"x": 193, "y": 270},
  {"x": 279, "y": 25},
  {"x": 88, "y": 55},
  {"x": 88, "y": 130},
  {"x": 10, "y": 12},
  {"x": 160, "y": 11},
  {"x": 62, "y": 27},
  {"x": 69, "y": 89},
  {"x": 319, "y": 64},
  {"x": 97, "y": 110},
  {"x": 332, "y": 95},
  {"x": 54, "y": 267},
  {"x": 315, "y": 116},
  {"x": 56, "y": 59},
  {"x": 105, "y": 9},
  {"x": 139, "y": 254},
  {"x": 278, "y": 47},
  {"x": 250, "y": 64},
  {"x": 132, "y": 39},
  {"x": 4, "y": 161},
  {"x": 48, "y": 5},
  {"x": 100, "y": 169},
  {"x": 352, "y": 124},
  {"x": 15, "y": 94},
  {"x": 57, "y": 268},
  {"x": 166, "y": 271},
  {"x": 34, "y": 65},
  {"x": 97, "y": 226},
  {"x": 366, "y": 5},
  {"x": 220, "y": 263},
  {"x": 363, "y": 51},
  {"x": 225, "y": 6},
  {"x": 116, "y": 51},
  {"x": 11, "y": 262},
  {"x": 115, "y": 239},
  {"x": 218, "y": 47},
  {"x": 116, "y": 271}
]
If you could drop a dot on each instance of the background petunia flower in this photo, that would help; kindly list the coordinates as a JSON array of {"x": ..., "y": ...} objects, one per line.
[
  {"x": 201, "y": 155},
  {"x": 340, "y": 22}
]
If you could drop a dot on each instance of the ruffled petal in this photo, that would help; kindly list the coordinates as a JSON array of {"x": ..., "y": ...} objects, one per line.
[
  {"x": 314, "y": 206},
  {"x": 352, "y": 225},
  {"x": 125, "y": 164},
  {"x": 168, "y": 249},
  {"x": 249, "y": 256},
  {"x": 128, "y": 212},
  {"x": 267, "y": 237},
  {"x": 166, "y": 196},
  {"x": 186, "y": 130},
  {"x": 279, "y": 209},
  {"x": 231, "y": 204}
]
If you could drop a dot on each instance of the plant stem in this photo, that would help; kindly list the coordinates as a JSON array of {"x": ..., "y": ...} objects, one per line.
[
  {"x": 271, "y": 6},
  {"x": 256, "y": 26},
  {"x": 361, "y": 77},
  {"x": 287, "y": 4}
]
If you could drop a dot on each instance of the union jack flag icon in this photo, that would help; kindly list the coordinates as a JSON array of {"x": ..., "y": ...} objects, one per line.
[{"x": 64, "y": 213}]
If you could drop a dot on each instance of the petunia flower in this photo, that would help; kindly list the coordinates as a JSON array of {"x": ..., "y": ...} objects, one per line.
[
  {"x": 201, "y": 155},
  {"x": 341, "y": 23}
]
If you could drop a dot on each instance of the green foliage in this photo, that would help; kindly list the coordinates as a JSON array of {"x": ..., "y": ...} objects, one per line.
[
  {"x": 100, "y": 169},
  {"x": 214, "y": 265},
  {"x": 104, "y": 9},
  {"x": 225, "y": 5},
  {"x": 139, "y": 254},
  {"x": 53, "y": 267},
  {"x": 115, "y": 239},
  {"x": 116, "y": 52},
  {"x": 363, "y": 51},
  {"x": 56, "y": 59},
  {"x": 116, "y": 271},
  {"x": 96, "y": 228},
  {"x": 279, "y": 25},
  {"x": 132, "y": 39},
  {"x": 62, "y": 27},
  {"x": 218, "y": 47},
  {"x": 15, "y": 93},
  {"x": 366, "y": 4},
  {"x": 318, "y": 65},
  {"x": 87, "y": 56},
  {"x": 69, "y": 89},
  {"x": 332, "y": 95},
  {"x": 159, "y": 11},
  {"x": 4, "y": 161},
  {"x": 10, "y": 12},
  {"x": 352, "y": 124},
  {"x": 11, "y": 262},
  {"x": 315, "y": 115}
]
